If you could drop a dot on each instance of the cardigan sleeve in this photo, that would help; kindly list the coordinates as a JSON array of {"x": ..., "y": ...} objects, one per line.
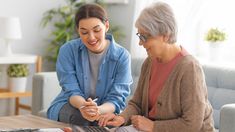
[{"x": 135, "y": 104}]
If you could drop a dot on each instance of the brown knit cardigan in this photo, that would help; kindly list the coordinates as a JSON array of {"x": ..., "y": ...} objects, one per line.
[{"x": 182, "y": 105}]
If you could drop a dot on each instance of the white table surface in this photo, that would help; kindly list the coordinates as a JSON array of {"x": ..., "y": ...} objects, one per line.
[{"x": 18, "y": 58}]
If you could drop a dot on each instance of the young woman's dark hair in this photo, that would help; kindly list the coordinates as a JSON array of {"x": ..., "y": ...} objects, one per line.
[{"x": 90, "y": 10}]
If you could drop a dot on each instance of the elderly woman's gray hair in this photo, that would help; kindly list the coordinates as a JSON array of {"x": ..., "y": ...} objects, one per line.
[{"x": 158, "y": 19}]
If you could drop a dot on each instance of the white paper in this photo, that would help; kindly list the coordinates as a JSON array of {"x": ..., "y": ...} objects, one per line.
[{"x": 51, "y": 130}]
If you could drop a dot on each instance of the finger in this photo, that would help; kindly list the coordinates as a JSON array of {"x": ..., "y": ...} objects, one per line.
[
  {"x": 89, "y": 99},
  {"x": 101, "y": 121},
  {"x": 133, "y": 117},
  {"x": 94, "y": 107},
  {"x": 84, "y": 114},
  {"x": 88, "y": 103},
  {"x": 113, "y": 123},
  {"x": 91, "y": 110},
  {"x": 105, "y": 121},
  {"x": 91, "y": 113},
  {"x": 133, "y": 120},
  {"x": 91, "y": 102},
  {"x": 67, "y": 129},
  {"x": 97, "y": 117},
  {"x": 104, "y": 118}
]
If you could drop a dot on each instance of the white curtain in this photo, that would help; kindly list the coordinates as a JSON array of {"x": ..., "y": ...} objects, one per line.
[
  {"x": 188, "y": 15},
  {"x": 219, "y": 14},
  {"x": 136, "y": 50}
]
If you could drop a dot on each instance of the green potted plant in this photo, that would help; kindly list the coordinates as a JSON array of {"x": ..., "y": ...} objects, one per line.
[
  {"x": 62, "y": 19},
  {"x": 215, "y": 37},
  {"x": 17, "y": 77}
]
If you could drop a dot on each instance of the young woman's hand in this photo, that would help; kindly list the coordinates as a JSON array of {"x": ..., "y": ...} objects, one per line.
[
  {"x": 110, "y": 119},
  {"x": 90, "y": 110},
  {"x": 142, "y": 123}
]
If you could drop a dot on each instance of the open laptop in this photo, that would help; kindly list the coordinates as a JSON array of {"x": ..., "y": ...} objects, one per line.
[
  {"x": 89, "y": 129},
  {"x": 129, "y": 128}
]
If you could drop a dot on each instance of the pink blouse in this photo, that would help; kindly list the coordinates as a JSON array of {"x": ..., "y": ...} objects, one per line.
[{"x": 159, "y": 74}]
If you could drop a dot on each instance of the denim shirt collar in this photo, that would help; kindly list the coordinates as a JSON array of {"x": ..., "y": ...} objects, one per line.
[{"x": 112, "y": 51}]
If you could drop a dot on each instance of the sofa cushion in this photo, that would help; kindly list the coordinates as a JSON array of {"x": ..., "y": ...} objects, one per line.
[
  {"x": 221, "y": 88},
  {"x": 45, "y": 89},
  {"x": 136, "y": 64}
]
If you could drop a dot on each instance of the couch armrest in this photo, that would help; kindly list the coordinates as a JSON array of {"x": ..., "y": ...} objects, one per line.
[
  {"x": 227, "y": 118},
  {"x": 45, "y": 89}
]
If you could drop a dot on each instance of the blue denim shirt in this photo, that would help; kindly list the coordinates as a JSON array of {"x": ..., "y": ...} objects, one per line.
[{"x": 114, "y": 79}]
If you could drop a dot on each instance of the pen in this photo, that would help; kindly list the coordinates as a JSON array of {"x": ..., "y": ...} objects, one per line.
[
  {"x": 92, "y": 100},
  {"x": 95, "y": 99}
]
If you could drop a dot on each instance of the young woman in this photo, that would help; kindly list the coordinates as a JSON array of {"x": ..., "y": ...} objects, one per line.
[
  {"x": 93, "y": 71},
  {"x": 171, "y": 94}
]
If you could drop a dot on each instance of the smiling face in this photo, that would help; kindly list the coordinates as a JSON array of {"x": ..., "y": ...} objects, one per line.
[
  {"x": 154, "y": 45},
  {"x": 92, "y": 33}
]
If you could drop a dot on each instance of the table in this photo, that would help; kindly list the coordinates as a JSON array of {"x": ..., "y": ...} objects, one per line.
[
  {"x": 19, "y": 59},
  {"x": 28, "y": 121}
]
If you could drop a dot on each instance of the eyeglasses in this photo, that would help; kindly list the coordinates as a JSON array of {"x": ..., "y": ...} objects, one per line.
[{"x": 142, "y": 37}]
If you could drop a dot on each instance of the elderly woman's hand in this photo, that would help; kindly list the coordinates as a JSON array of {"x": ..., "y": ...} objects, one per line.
[
  {"x": 67, "y": 129},
  {"x": 110, "y": 119},
  {"x": 142, "y": 123}
]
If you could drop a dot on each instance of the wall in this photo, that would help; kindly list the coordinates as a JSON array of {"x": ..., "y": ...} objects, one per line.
[
  {"x": 30, "y": 14},
  {"x": 125, "y": 15},
  {"x": 33, "y": 39},
  {"x": 122, "y": 14}
]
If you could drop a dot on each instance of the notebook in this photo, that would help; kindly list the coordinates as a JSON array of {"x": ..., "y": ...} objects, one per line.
[
  {"x": 33, "y": 130},
  {"x": 89, "y": 129},
  {"x": 126, "y": 129}
]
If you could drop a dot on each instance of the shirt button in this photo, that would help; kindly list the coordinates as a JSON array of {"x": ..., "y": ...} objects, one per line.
[{"x": 159, "y": 104}]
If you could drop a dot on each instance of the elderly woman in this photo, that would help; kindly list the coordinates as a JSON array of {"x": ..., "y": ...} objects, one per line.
[{"x": 171, "y": 94}]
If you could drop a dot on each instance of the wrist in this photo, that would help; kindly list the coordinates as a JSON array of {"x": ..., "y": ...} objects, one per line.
[
  {"x": 122, "y": 119},
  {"x": 81, "y": 105},
  {"x": 100, "y": 111},
  {"x": 152, "y": 126}
]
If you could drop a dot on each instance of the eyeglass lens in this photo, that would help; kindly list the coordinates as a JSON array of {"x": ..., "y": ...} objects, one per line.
[{"x": 141, "y": 37}]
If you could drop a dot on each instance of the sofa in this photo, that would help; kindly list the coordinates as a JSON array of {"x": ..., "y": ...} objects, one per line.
[{"x": 220, "y": 83}]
